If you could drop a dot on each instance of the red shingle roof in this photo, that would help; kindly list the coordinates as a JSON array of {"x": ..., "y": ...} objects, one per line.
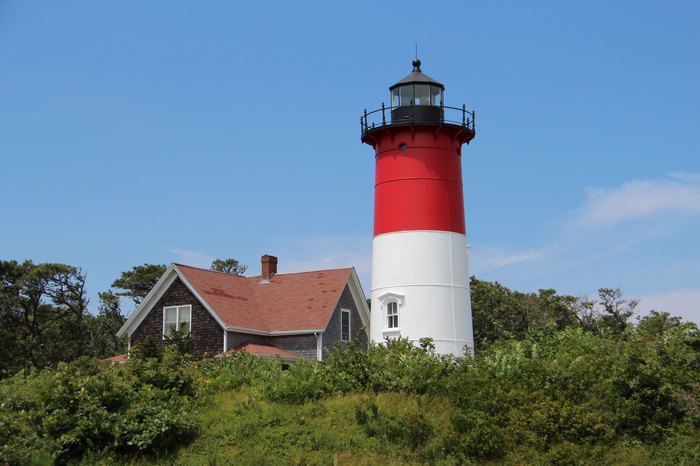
[
  {"x": 262, "y": 349},
  {"x": 288, "y": 302},
  {"x": 119, "y": 358}
]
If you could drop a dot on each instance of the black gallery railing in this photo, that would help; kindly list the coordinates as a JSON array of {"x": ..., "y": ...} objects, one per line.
[{"x": 417, "y": 115}]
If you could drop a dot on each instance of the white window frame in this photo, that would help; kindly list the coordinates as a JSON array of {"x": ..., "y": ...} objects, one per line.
[
  {"x": 389, "y": 315},
  {"x": 178, "y": 322},
  {"x": 342, "y": 312},
  {"x": 384, "y": 301}
]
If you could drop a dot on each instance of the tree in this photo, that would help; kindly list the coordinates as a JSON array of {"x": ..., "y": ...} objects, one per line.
[
  {"x": 616, "y": 311},
  {"x": 586, "y": 312},
  {"x": 496, "y": 313},
  {"x": 230, "y": 266},
  {"x": 656, "y": 323},
  {"x": 103, "y": 327},
  {"x": 43, "y": 307},
  {"x": 499, "y": 313},
  {"x": 137, "y": 282},
  {"x": 610, "y": 313}
]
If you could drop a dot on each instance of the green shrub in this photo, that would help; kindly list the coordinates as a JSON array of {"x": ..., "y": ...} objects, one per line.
[
  {"x": 396, "y": 365},
  {"x": 174, "y": 371},
  {"x": 239, "y": 369},
  {"x": 304, "y": 381},
  {"x": 90, "y": 405},
  {"x": 476, "y": 436},
  {"x": 409, "y": 428}
]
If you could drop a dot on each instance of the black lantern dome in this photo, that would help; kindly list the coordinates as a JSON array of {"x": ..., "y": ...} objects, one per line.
[{"x": 417, "y": 96}]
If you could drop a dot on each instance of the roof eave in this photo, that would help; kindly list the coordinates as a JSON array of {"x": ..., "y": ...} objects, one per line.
[
  {"x": 253, "y": 331},
  {"x": 161, "y": 286},
  {"x": 136, "y": 316},
  {"x": 417, "y": 77}
]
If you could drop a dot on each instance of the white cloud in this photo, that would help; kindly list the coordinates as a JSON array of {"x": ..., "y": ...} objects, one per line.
[
  {"x": 684, "y": 303},
  {"x": 190, "y": 257},
  {"x": 494, "y": 258},
  {"x": 641, "y": 199},
  {"x": 685, "y": 176}
]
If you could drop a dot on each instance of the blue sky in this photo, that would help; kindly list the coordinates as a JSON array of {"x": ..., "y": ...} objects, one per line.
[{"x": 151, "y": 132}]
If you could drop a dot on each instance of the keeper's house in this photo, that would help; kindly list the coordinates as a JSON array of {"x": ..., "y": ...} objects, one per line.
[{"x": 289, "y": 315}]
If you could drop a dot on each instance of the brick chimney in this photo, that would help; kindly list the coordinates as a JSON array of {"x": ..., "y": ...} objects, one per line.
[{"x": 269, "y": 267}]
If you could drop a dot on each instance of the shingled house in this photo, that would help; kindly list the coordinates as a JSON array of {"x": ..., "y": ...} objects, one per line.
[{"x": 289, "y": 315}]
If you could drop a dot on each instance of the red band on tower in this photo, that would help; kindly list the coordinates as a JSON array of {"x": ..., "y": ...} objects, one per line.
[{"x": 418, "y": 182}]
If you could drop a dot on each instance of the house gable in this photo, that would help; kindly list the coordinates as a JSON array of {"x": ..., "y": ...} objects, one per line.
[
  {"x": 161, "y": 287},
  {"x": 358, "y": 297},
  {"x": 206, "y": 331},
  {"x": 332, "y": 334}
]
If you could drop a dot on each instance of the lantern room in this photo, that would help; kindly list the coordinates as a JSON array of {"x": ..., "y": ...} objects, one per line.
[{"x": 417, "y": 98}]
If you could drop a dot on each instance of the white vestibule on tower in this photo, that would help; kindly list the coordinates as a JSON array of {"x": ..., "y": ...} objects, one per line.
[{"x": 420, "y": 257}]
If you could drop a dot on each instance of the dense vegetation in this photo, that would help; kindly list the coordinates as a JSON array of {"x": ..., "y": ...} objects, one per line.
[
  {"x": 44, "y": 316},
  {"x": 554, "y": 396},
  {"x": 555, "y": 380}
]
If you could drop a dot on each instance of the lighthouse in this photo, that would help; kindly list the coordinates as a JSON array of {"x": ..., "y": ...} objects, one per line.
[{"x": 420, "y": 257}]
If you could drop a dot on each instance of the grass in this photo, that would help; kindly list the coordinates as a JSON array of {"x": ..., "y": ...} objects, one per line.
[{"x": 241, "y": 428}]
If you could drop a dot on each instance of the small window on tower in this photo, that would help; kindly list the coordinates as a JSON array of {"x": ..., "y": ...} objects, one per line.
[{"x": 392, "y": 314}]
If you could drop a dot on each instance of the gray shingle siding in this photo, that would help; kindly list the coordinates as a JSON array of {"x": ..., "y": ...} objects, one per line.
[
  {"x": 303, "y": 345},
  {"x": 235, "y": 339},
  {"x": 332, "y": 333}
]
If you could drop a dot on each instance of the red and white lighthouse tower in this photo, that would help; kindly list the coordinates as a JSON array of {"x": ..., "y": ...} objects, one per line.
[{"x": 420, "y": 257}]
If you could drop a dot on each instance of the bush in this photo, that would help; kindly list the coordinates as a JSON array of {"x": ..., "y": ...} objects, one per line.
[
  {"x": 408, "y": 428},
  {"x": 304, "y": 381},
  {"x": 237, "y": 370},
  {"x": 90, "y": 405},
  {"x": 576, "y": 389},
  {"x": 396, "y": 365}
]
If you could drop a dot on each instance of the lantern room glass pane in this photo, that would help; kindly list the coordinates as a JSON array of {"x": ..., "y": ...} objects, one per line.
[
  {"x": 406, "y": 95},
  {"x": 395, "y": 102},
  {"x": 435, "y": 95},
  {"x": 422, "y": 94}
]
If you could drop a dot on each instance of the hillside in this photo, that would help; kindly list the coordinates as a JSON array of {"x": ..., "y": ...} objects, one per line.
[
  {"x": 555, "y": 397},
  {"x": 239, "y": 427}
]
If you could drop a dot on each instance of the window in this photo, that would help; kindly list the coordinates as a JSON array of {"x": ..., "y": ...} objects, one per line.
[
  {"x": 392, "y": 314},
  {"x": 406, "y": 95},
  {"x": 390, "y": 304},
  {"x": 344, "y": 325},
  {"x": 395, "y": 100},
  {"x": 422, "y": 94},
  {"x": 435, "y": 95},
  {"x": 177, "y": 317}
]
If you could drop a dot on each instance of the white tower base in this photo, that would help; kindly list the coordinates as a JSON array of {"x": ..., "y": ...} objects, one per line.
[{"x": 427, "y": 274}]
